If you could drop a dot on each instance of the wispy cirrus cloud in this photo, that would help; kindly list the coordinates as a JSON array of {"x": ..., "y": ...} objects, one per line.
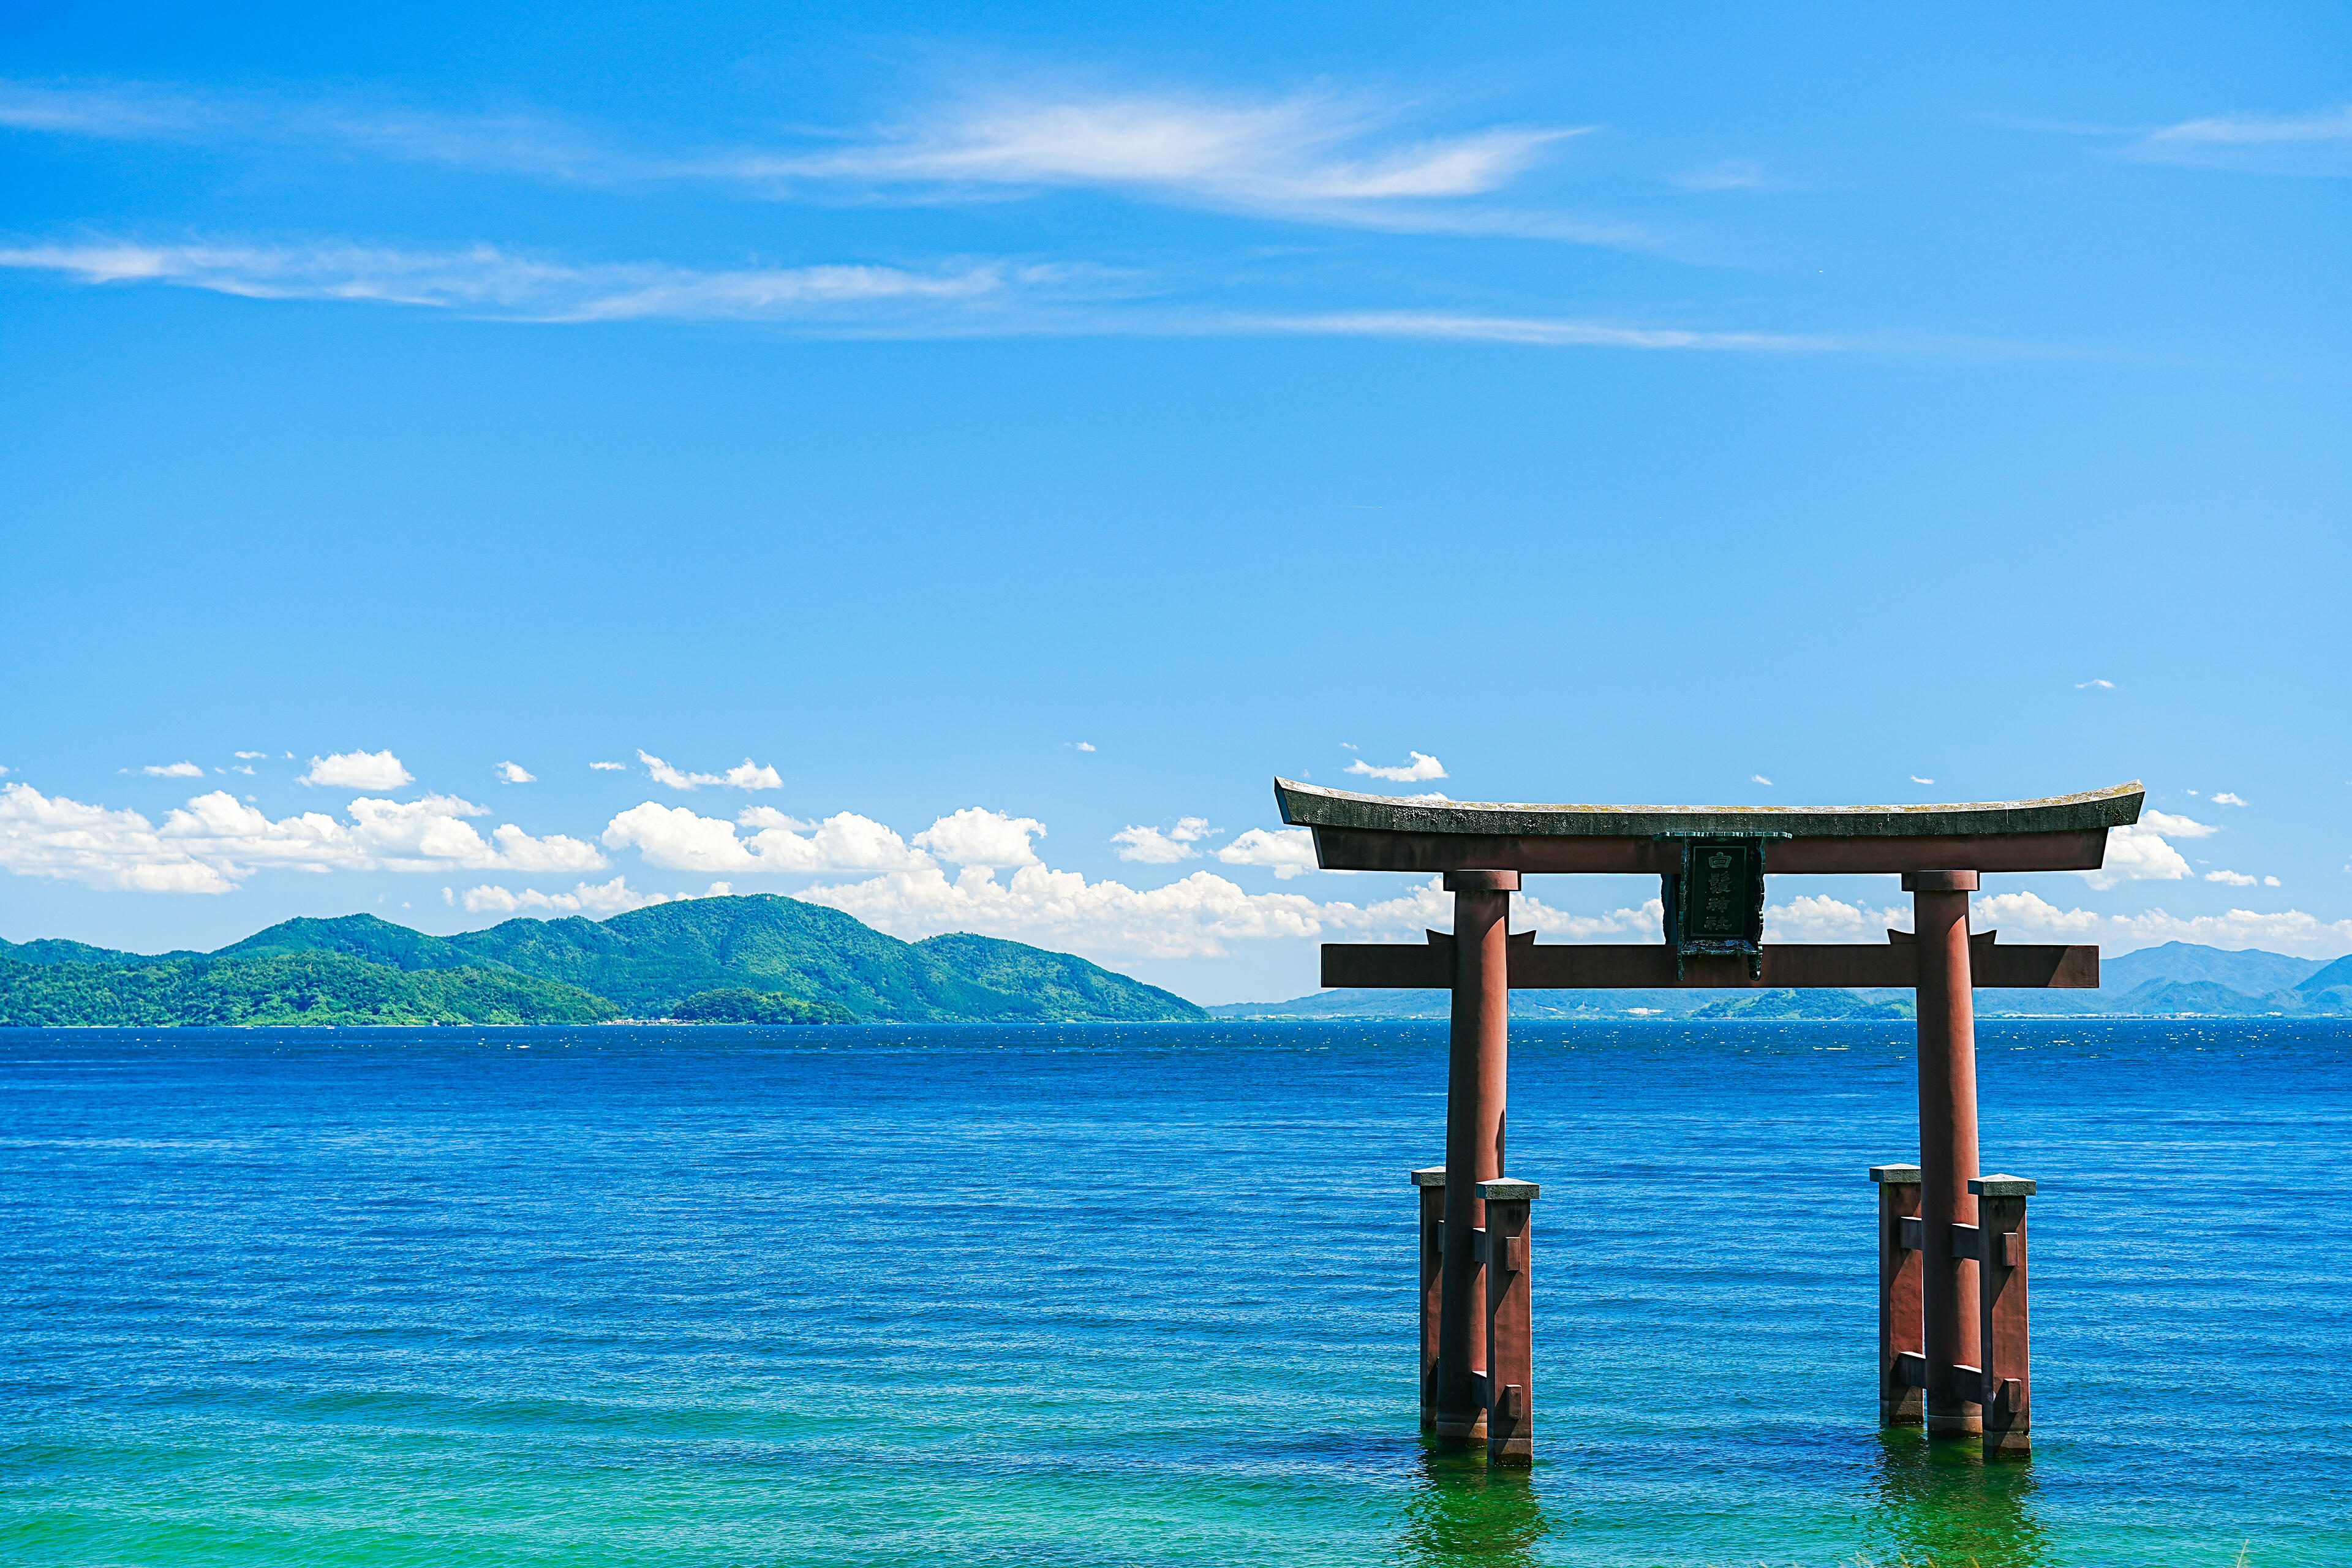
[
  {"x": 1533, "y": 331},
  {"x": 1320, "y": 157},
  {"x": 2316, "y": 143},
  {"x": 148, "y": 111},
  {"x": 487, "y": 280},
  {"x": 959, "y": 299}
]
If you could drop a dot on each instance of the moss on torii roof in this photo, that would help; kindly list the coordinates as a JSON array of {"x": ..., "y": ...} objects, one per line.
[{"x": 1310, "y": 806}]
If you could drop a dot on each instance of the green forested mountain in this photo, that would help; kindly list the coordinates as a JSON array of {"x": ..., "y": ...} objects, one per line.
[
  {"x": 1063, "y": 985},
  {"x": 756, "y": 959},
  {"x": 281, "y": 988},
  {"x": 650, "y": 959}
]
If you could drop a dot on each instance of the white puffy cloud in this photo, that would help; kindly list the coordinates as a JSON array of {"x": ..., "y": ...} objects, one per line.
[
  {"x": 1287, "y": 851},
  {"x": 1152, "y": 846},
  {"x": 1199, "y": 916},
  {"x": 1086, "y": 745},
  {"x": 674, "y": 836},
  {"x": 357, "y": 770},
  {"x": 1423, "y": 766},
  {"x": 1816, "y": 917},
  {"x": 609, "y": 767},
  {"x": 250, "y": 756},
  {"x": 610, "y": 897},
  {"x": 2139, "y": 854},
  {"x": 217, "y": 840},
  {"x": 2232, "y": 878},
  {"x": 1196, "y": 917},
  {"x": 746, "y": 775},
  {"x": 2289, "y": 930},
  {"x": 1759, "y": 778},
  {"x": 423, "y": 835},
  {"x": 973, "y": 837},
  {"x": 514, "y": 772},
  {"x": 42, "y": 836},
  {"x": 2226, "y": 798},
  {"x": 171, "y": 771}
]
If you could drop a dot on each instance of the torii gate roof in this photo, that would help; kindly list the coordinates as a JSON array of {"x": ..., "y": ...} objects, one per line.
[{"x": 1384, "y": 833}]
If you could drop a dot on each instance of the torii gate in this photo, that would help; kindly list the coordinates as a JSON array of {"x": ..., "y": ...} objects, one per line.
[{"x": 1945, "y": 1233}]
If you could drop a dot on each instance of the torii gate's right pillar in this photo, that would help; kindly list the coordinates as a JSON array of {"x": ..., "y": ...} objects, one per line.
[
  {"x": 1947, "y": 1145},
  {"x": 1476, "y": 1087}
]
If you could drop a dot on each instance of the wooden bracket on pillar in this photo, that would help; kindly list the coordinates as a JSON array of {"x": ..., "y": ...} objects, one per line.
[
  {"x": 2005, "y": 1331},
  {"x": 1902, "y": 1344},
  {"x": 1510, "y": 1382}
]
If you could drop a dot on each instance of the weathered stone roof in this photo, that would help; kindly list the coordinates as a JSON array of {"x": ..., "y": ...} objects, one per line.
[{"x": 1308, "y": 806}]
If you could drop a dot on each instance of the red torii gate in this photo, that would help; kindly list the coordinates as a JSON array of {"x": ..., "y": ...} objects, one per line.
[{"x": 1945, "y": 1232}]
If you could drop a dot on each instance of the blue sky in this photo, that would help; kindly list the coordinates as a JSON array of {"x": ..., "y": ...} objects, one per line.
[{"x": 973, "y": 452}]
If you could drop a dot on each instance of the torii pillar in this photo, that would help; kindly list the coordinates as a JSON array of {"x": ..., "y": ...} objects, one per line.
[
  {"x": 1948, "y": 1148},
  {"x": 1477, "y": 1077}
]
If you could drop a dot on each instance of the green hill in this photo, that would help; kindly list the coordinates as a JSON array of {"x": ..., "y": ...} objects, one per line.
[
  {"x": 56, "y": 949},
  {"x": 2328, "y": 977},
  {"x": 355, "y": 936},
  {"x": 755, "y": 959},
  {"x": 650, "y": 960},
  {"x": 1065, "y": 987},
  {"x": 281, "y": 988},
  {"x": 738, "y": 1005}
]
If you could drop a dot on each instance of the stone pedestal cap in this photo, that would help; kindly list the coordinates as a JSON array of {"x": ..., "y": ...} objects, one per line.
[
  {"x": 1940, "y": 881},
  {"x": 2002, "y": 1186},
  {"x": 1895, "y": 1176},
  {"x": 1509, "y": 1190},
  {"x": 1482, "y": 881},
  {"x": 1428, "y": 1176}
]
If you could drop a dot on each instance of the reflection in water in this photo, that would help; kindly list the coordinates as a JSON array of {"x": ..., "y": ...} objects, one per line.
[
  {"x": 1941, "y": 1503},
  {"x": 1460, "y": 1512}
]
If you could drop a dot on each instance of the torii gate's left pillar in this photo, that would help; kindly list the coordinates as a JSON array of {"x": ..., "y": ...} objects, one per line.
[{"x": 1475, "y": 1079}]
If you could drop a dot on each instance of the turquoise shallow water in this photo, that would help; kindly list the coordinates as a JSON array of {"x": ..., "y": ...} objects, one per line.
[{"x": 1127, "y": 1295}]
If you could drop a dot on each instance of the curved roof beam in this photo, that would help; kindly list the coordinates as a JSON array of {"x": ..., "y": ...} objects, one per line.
[{"x": 1308, "y": 806}]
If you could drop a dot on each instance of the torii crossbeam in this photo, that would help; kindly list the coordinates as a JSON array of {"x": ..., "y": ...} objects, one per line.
[{"x": 1476, "y": 1372}]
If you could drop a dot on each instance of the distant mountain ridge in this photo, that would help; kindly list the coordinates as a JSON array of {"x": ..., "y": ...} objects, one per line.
[
  {"x": 2175, "y": 979},
  {"x": 758, "y": 957}
]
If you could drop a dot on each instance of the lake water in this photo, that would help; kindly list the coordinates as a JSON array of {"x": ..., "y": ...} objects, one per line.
[{"x": 1130, "y": 1295}]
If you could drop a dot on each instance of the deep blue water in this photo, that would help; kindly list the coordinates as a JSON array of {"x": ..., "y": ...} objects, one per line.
[{"x": 1129, "y": 1296}]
